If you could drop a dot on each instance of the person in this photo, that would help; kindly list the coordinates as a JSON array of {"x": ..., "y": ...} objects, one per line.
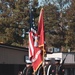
[
  {"x": 57, "y": 69},
  {"x": 20, "y": 73},
  {"x": 40, "y": 70},
  {"x": 47, "y": 66},
  {"x": 28, "y": 70}
]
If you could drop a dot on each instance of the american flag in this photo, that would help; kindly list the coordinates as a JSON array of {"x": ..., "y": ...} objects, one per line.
[{"x": 32, "y": 32}]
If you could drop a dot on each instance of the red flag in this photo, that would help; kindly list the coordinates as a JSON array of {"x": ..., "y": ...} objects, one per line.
[
  {"x": 37, "y": 59},
  {"x": 34, "y": 52},
  {"x": 41, "y": 30}
]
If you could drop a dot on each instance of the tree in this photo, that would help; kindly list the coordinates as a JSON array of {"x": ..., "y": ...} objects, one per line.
[
  {"x": 62, "y": 6},
  {"x": 14, "y": 20},
  {"x": 70, "y": 20},
  {"x": 14, "y": 23}
]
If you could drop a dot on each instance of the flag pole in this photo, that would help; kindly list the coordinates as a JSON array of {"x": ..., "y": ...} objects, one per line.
[
  {"x": 44, "y": 61},
  {"x": 30, "y": 13}
]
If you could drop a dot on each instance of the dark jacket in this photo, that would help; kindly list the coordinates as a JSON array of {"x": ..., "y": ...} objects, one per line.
[
  {"x": 57, "y": 69},
  {"x": 28, "y": 71},
  {"x": 48, "y": 69},
  {"x": 40, "y": 71}
]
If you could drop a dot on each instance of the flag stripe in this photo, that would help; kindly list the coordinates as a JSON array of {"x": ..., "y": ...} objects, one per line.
[{"x": 31, "y": 48}]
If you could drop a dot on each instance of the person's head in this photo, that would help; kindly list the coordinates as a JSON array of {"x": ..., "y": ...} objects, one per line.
[
  {"x": 47, "y": 60},
  {"x": 57, "y": 60},
  {"x": 20, "y": 73},
  {"x": 28, "y": 63}
]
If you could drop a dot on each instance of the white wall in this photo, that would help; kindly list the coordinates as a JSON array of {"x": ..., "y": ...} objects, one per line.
[{"x": 70, "y": 59}]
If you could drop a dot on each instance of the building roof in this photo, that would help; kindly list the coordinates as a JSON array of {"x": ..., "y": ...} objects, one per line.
[{"x": 13, "y": 47}]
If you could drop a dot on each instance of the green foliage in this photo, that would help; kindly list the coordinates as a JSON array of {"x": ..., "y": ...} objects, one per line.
[
  {"x": 13, "y": 20},
  {"x": 70, "y": 22},
  {"x": 16, "y": 18}
]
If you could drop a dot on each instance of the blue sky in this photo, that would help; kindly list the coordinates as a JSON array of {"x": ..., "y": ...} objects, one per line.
[{"x": 40, "y": 2}]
